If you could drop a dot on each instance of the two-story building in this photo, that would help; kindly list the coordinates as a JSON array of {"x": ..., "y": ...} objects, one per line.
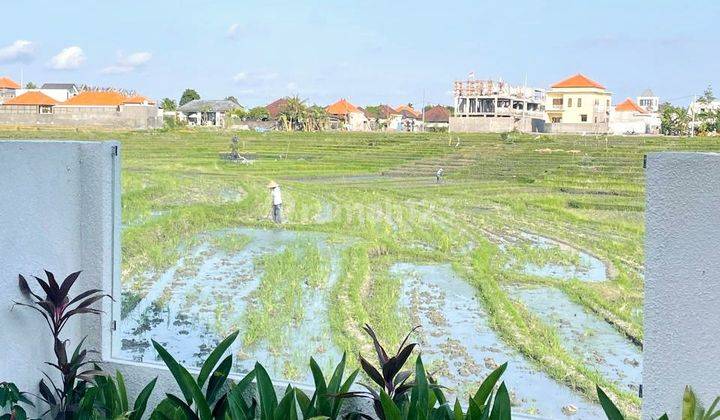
[
  {"x": 8, "y": 89},
  {"x": 578, "y": 104}
]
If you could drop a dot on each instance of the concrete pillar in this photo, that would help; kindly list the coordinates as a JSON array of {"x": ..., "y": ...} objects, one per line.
[{"x": 682, "y": 280}]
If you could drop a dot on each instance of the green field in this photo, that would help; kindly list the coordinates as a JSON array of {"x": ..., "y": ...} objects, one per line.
[{"x": 586, "y": 193}]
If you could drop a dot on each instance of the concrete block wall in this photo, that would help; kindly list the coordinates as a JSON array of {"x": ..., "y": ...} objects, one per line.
[
  {"x": 132, "y": 117},
  {"x": 495, "y": 125},
  {"x": 682, "y": 280}
]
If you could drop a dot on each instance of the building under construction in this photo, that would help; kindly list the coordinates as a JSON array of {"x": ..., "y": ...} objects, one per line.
[{"x": 495, "y": 106}]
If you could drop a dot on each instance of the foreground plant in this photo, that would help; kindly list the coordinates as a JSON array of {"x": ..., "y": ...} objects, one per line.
[
  {"x": 10, "y": 399},
  {"x": 57, "y": 308},
  {"x": 107, "y": 399},
  {"x": 692, "y": 408}
]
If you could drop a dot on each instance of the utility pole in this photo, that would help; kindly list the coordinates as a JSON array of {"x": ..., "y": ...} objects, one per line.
[{"x": 692, "y": 109}]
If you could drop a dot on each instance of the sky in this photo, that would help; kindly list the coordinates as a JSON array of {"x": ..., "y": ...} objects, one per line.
[{"x": 368, "y": 52}]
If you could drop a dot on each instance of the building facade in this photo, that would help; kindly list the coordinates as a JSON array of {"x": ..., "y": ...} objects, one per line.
[
  {"x": 629, "y": 118},
  {"x": 649, "y": 101},
  {"x": 578, "y": 105},
  {"x": 496, "y": 106},
  {"x": 8, "y": 89}
]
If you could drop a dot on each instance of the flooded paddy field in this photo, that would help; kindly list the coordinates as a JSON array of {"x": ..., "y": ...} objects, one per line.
[{"x": 564, "y": 266}]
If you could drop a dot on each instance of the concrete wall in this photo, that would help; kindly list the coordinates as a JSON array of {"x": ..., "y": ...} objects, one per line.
[
  {"x": 575, "y": 128},
  {"x": 682, "y": 280},
  {"x": 495, "y": 124},
  {"x": 128, "y": 116},
  {"x": 57, "y": 202}
]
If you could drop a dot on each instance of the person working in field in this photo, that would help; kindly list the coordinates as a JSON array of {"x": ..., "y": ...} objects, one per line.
[
  {"x": 438, "y": 175},
  {"x": 276, "y": 201}
]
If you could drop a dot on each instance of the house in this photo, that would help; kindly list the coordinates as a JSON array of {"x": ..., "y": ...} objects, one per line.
[
  {"x": 8, "y": 89},
  {"x": 437, "y": 118},
  {"x": 630, "y": 118},
  {"x": 106, "y": 109},
  {"x": 276, "y": 107},
  {"x": 648, "y": 101},
  {"x": 346, "y": 116},
  {"x": 578, "y": 104},
  {"x": 61, "y": 92},
  {"x": 210, "y": 113},
  {"x": 493, "y": 106}
]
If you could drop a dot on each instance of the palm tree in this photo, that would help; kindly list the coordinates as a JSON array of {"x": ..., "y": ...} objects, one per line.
[
  {"x": 317, "y": 118},
  {"x": 294, "y": 114}
]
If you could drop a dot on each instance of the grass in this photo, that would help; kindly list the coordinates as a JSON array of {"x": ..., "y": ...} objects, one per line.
[{"x": 378, "y": 191}]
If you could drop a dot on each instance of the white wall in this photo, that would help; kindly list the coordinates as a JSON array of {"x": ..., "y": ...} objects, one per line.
[
  {"x": 682, "y": 280},
  {"x": 56, "y": 213}
]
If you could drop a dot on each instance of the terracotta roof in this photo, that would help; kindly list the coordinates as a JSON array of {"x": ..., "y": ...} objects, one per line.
[
  {"x": 138, "y": 99},
  {"x": 437, "y": 114},
  {"x": 32, "y": 98},
  {"x": 386, "y": 111},
  {"x": 407, "y": 111},
  {"x": 341, "y": 107},
  {"x": 276, "y": 107},
  {"x": 628, "y": 105},
  {"x": 578, "y": 81},
  {"x": 6, "y": 83},
  {"x": 97, "y": 98}
]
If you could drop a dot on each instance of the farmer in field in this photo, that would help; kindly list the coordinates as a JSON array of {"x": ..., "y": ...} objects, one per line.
[
  {"x": 439, "y": 175},
  {"x": 276, "y": 201}
]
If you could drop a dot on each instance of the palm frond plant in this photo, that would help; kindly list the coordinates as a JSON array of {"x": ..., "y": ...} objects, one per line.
[
  {"x": 108, "y": 399},
  {"x": 57, "y": 308}
]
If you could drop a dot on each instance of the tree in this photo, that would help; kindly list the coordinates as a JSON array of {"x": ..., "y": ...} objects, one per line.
[
  {"x": 168, "y": 104},
  {"x": 292, "y": 116},
  {"x": 232, "y": 99},
  {"x": 258, "y": 113},
  {"x": 188, "y": 95},
  {"x": 674, "y": 119},
  {"x": 317, "y": 118},
  {"x": 30, "y": 85},
  {"x": 707, "y": 96}
]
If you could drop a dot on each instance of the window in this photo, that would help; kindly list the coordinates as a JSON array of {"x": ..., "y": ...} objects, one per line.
[
  {"x": 569, "y": 102},
  {"x": 45, "y": 109},
  {"x": 583, "y": 118},
  {"x": 579, "y": 103},
  {"x": 556, "y": 119},
  {"x": 597, "y": 101},
  {"x": 557, "y": 102}
]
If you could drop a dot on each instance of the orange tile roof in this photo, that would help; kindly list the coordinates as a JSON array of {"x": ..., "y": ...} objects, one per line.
[
  {"x": 341, "y": 107},
  {"x": 408, "y": 109},
  {"x": 6, "y": 83},
  {"x": 97, "y": 98},
  {"x": 578, "y": 81},
  {"x": 138, "y": 99},
  {"x": 628, "y": 105},
  {"x": 32, "y": 98}
]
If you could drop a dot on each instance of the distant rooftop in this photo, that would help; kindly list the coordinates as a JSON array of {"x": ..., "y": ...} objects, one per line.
[
  {"x": 201, "y": 105},
  {"x": 437, "y": 114},
  {"x": 578, "y": 81},
  {"x": 275, "y": 108},
  {"x": 647, "y": 93},
  {"x": 341, "y": 107},
  {"x": 66, "y": 86},
  {"x": 6, "y": 83},
  {"x": 32, "y": 98},
  {"x": 628, "y": 105}
]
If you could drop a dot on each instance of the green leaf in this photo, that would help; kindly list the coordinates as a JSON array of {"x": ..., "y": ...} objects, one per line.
[
  {"x": 218, "y": 378},
  {"x": 390, "y": 410},
  {"x": 122, "y": 392},
  {"x": 141, "y": 401},
  {"x": 214, "y": 357},
  {"x": 266, "y": 393},
  {"x": 285, "y": 407},
  {"x": 321, "y": 390},
  {"x": 458, "y": 411},
  {"x": 176, "y": 371},
  {"x": 183, "y": 407},
  {"x": 420, "y": 391},
  {"x": 486, "y": 388},
  {"x": 501, "y": 407},
  {"x": 611, "y": 411},
  {"x": 338, "y": 402}
]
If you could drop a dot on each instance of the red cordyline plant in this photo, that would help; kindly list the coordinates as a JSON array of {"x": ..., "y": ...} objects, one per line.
[{"x": 57, "y": 308}]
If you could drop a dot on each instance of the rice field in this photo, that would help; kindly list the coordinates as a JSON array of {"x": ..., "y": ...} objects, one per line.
[{"x": 529, "y": 250}]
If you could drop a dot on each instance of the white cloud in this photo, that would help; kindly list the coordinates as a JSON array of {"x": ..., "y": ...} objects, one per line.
[
  {"x": 19, "y": 51},
  {"x": 67, "y": 59},
  {"x": 127, "y": 63},
  {"x": 254, "y": 78},
  {"x": 233, "y": 30}
]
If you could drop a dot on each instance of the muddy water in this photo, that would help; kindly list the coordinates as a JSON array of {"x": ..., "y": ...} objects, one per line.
[
  {"x": 584, "y": 335},
  {"x": 590, "y": 269},
  {"x": 204, "y": 296},
  {"x": 459, "y": 345}
]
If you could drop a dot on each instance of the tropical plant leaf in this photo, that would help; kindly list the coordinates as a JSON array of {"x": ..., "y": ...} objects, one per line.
[
  {"x": 487, "y": 386},
  {"x": 214, "y": 358},
  {"x": 372, "y": 372},
  {"x": 501, "y": 406},
  {"x": 218, "y": 379},
  {"x": 389, "y": 408},
  {"x": 610, "y": 409},
  {"x": 142, "y": 400},
  {"x": 266, "y": 393}
]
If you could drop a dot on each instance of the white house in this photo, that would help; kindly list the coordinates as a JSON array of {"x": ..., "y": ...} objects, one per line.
[
  {"x": 630, "y": 118},
  {"x": 649, "y": 101},
  {"x": 60, "y": 92}
]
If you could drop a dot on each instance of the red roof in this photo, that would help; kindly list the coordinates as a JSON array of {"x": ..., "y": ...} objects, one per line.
[
  {"x": 276, "y": 107},
  {"x": 628, "y": 105},
  {"x": 341, "y": 107},
  {"x": 138, "y": 99},
  {"x": 437, "y": 114},
  {"x": 578, "y": 81},
  {"x": 97, "y": 98},
  {"x": 6, "y": 83},
  {"x": 407, "y": 111},
  {"x": 32, "y": 98}
]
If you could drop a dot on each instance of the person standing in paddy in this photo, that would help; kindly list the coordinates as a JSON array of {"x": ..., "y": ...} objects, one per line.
[{"x": 276, "y": 201}]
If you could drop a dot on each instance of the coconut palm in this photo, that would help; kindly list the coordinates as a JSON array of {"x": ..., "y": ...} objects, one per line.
[{"x": 294, "y": 114}]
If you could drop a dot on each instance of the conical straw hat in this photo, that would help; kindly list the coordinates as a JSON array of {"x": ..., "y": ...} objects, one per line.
[{"x": 272, "y": 184}]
